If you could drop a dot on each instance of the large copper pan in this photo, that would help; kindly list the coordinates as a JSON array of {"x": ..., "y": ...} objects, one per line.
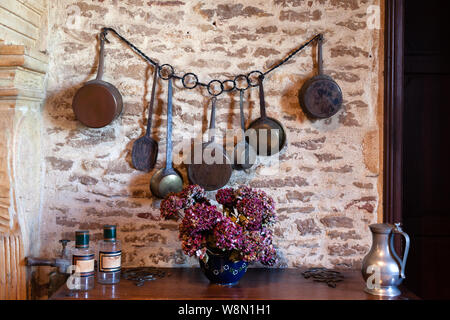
[{"x": 97, "y": 103}]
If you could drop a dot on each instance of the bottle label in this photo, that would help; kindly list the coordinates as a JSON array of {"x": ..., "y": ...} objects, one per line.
[
  {"x": 110, "y": 261},
  {"x": 85, "y": 265}
]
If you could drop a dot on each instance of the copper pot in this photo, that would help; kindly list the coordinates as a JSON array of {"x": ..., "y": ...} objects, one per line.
[
  {"x": 320, "y": 96},
  {"x": 97, "y": 103}
]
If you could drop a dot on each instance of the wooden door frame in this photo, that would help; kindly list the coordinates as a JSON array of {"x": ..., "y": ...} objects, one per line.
[{"x": 393, "y": 110}]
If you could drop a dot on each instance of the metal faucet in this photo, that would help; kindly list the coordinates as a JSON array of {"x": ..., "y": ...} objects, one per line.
[
  {"x": 57, "y": 277},
  {"x": 62, "y": 262}
]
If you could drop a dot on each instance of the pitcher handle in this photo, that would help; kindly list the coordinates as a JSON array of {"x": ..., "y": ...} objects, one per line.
[{"x": 398, "y": 229}]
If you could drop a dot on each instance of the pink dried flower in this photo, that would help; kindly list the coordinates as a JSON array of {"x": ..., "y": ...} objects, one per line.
[
  {"x": 192, "y": 243},
  {"x": 268, "y": 256},
  {"x": 257, "y": 246},
  {"x": 193, "y": 194},
  {"x": 226, "y": 197},
  {"x": 228, "y": 235},
  {"x": 243, "y": 191},
  {"x": 256, "y": 206},
  {"x": 252, "y": 208},
  {"x": 171, "y": 206},
  {"x": 250, "y": 246},
  {"x": 200, "y": 217}
]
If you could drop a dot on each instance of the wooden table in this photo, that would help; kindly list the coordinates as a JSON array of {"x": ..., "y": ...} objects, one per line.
[{"x": 257, "y": 284}]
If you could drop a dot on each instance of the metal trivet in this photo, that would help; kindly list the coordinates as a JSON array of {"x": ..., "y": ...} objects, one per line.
[
  {"x": 142, "y": 274},
  {"x": 330, "y": 277}
]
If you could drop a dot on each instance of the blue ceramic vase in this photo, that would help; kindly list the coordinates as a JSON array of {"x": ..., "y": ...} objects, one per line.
[{"x": 221, "y": 270}]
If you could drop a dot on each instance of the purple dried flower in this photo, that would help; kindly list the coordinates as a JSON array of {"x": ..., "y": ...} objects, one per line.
[
  {"x": 200, "y": 217},
  {"x": 250, "y": 246},
  {"x": 174, "y": 202},
  {"x": 243, "y": 191},
  {"x": 226, "y": 197},
  {"x": 193, "y": 194},
  {"x": 252, "y": 208},
  {"x": 171, "y": 206},
  {"x": 192, "y": 243},
  {"x": 268, "y": 256},
  {"x": 228, "y": 235}
]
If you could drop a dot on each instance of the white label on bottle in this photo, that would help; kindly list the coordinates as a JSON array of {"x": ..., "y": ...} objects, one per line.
[
  {"x": 110, "y": 261},
  {"x": 85, "y": 265}
]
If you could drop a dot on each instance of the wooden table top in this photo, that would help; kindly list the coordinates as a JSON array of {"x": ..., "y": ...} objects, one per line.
[{"x": 257, "y": 284}]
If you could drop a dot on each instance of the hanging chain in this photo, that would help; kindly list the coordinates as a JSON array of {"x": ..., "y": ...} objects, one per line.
[{"x": 215, "y": 87}]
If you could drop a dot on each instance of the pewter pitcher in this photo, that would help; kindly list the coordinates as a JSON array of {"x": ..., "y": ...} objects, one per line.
[{"x": 382, "y": 269}]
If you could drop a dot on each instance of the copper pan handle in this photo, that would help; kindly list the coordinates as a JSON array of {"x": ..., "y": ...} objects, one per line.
[
  {"x": 319, "y": 54},
  {"x": 262, "y": 101},
  {"x": 101, "y": 59},
  {"x": 212, "y": 121}
]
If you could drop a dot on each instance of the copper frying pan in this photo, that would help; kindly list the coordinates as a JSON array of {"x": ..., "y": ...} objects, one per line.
[
  {"x": 320, "y": 96},
  {"x": 270, "y": 134},
  {"x": 214, "y": 168},
  {"x": 97, "y": 103}
]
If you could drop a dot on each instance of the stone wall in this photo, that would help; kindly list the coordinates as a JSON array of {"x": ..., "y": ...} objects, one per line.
[{"x": 327, "y": 185}]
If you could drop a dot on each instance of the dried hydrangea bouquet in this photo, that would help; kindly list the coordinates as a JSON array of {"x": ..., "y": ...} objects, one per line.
[{"x": 227, "y": 240}]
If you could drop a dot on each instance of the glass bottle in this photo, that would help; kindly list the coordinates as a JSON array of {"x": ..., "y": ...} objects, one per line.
[
  {"x": 109, "y": 257},
  {"x": 83, "y": 258}
]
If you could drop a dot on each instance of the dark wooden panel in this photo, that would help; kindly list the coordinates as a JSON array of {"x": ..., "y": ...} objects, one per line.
[
  {"x": 426, "y": 156},
  {"x": 393, "y": 111},
  {"x": 427, "y": 64},
  {"x": 427, "y": 269},
  {"x": 429, "y": 225},
  {"x": 426, "y": 26},
  {"x": 257, "y": 284},
  {"x": 426, "y": 146}
]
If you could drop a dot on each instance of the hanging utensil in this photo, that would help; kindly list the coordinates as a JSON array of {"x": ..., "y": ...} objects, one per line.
[
  {"x": 270, "y": 134},
  {"x": 214, "y": 170},
  {"x": 97, "y": 103},
  {"x": 168, "y": 179},
  {"x": 145, "y": 149},
  {"x": 244, "y": 156},
  {"x": 320, "y": 96}
]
